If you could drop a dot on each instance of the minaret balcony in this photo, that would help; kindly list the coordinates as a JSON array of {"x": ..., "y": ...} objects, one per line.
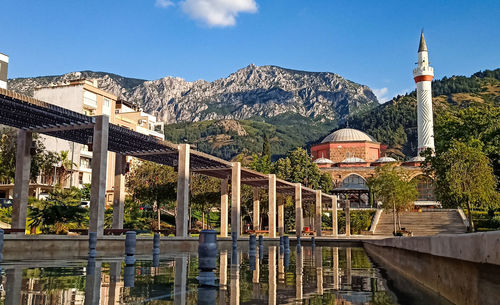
[{"x": 425, "y": 70}]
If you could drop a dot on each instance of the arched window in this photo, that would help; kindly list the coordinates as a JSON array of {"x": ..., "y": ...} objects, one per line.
[
  {"x": 425, "y": 188},
  {"x": 354, "y": 180}
]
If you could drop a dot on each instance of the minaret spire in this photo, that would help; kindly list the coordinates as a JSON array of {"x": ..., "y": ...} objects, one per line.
[{"x": 422, "y": 46}]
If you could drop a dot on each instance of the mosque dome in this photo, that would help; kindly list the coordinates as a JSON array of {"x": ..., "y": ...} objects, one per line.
[
  {"x": 353, "y": 160},
  {"x": 348, "y": 135},
  {"x": 323, "y": 161},
  {"x": 385, "y": 159},
  {"x": 417, "y": 159}
]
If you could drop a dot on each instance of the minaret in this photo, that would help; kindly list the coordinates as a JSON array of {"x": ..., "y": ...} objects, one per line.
[{"x": 423, "y": 76}]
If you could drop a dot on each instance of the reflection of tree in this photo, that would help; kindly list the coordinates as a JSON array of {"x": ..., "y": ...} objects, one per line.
[{"x": 381, "y": 298}]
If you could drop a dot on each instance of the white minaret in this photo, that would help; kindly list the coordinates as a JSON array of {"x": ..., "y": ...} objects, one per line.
[
  {"x": 4, "y": 64},
  {"x": 423, "y": 76}
]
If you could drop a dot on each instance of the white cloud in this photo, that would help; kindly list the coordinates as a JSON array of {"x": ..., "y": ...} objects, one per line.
[
  {"x": 218, "y": 13},
  {"x": 163, "y": 3},
  {"x": 381, "y": 94}
]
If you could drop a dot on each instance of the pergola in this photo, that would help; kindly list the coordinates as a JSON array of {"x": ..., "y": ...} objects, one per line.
[{"x": 30, "y": 115}]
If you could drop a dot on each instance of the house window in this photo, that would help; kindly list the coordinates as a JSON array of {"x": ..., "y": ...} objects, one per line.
[
  {"x": 80, "y": 178},
  {"x": 84, "y": 162}
]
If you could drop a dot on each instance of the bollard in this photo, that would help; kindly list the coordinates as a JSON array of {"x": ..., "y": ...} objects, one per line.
[
  {"x": 92, "y": 244},
  {"x": 299, "y": 246},
  {"x": 286, "y": 242},
  {"x": 261, "y": 252},
  {"x": 207, "y": 295},
  {"x": 129, "y": 276},
  {"x": 282, "y": 244},
  {"x": 287, "y": 258},
  {"x": 234, "y": 236},
  {"x": 207, "y": 257},
  {"x": 156, "y": 244},
  {"x": 130, "y": 242},
  {"x": 156, "y": 260},
  {"x": 313, "y": 244},
  {"x": 91, "y": 264},
  {"x": 261, "y": 240},
  {"x": 1, "y": 245},
  {"x": 252, "y": 243}
]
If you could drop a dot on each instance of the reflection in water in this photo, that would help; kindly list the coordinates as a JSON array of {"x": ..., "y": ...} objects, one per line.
[{"x": 327, "y": 275}]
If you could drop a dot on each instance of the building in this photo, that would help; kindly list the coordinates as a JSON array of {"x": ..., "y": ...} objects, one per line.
[
  {"x": 84, "y": 97},
  {"x": 4, "y": 65},
  {"x": 351, "y": 156}
]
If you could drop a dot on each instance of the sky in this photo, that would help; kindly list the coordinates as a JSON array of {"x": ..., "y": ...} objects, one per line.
[{"x": 373, "y": 43}]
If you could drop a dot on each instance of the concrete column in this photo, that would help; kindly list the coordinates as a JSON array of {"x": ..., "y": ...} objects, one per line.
[
  {"x": 234, "y": 292},
  {"x": 180, "y": 280},
  {"x": 298, "y": 210},
  {"x": 317, "y": 214},
  {"x": 348, "y": 271},
  {"x": 99, "y": 170},
  {"x": 335, "y": 223},
  {"x": 272, "y": 275},
  {"x": 256, "y": 209},
  {"x": 182, "y": 213},
  {"x": 347, "y": 218},
  {"x": 119, "y": 191},
  {"x": 224, "y": 207},
  {"x": 93, "y": 285},
  {"x": 299, "y": 266},
  {"x": 235, "y": 197},
  {"x": 281, "y": 217},
  {"x": 272, "y": 206},
  {"x": 21, "y": 180}
]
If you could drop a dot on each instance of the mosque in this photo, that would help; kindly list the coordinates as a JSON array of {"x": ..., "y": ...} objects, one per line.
[{"x": 351, "y": 156}]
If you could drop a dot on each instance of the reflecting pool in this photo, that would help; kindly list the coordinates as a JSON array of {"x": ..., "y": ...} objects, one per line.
[{"x": 306, "y": 275}]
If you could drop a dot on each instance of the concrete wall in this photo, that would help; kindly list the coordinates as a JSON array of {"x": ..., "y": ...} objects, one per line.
[
  {"x": 477, "y": 247},
  {"x": 460, "y": 282}
]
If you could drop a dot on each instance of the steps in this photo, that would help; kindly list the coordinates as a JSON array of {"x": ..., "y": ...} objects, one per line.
[{"x": 423, "y": 223}]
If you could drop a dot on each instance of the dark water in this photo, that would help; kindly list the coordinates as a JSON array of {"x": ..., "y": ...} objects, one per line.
[{"x": 321, "y": 275}]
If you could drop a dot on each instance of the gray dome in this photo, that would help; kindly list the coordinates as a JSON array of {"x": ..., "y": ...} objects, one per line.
[
  {"x": 417, "y": 159},
  {"x": 353, "y": 160},
  {"x": 348, "y": 135},
  {"x": 323, "y": 161},
  {"x": 385, "y": 159}
]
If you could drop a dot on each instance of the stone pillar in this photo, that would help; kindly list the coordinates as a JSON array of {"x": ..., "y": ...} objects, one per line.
[
  {"x": 183, "y": 175},
  {"x": 180, "y": 280},
  {"x": 317, "y": 214},
  {"x": 99, "y": 170},
  {"x": 347, "y": 218},
  {"x": 281, "y": 217},
  {"x": 119, "y": 191},
  {"x": 272, "y": 275},
  {"x": 21, "y": 180},
  {"x": 335, "y": 223},
  {"x": 298, "y": 210},
  {"x": 224, "y": 207},
  {"x": 272, "y": 206},
  {"x": 235, "y": 198},
  {"x": 256, "y": 209}
]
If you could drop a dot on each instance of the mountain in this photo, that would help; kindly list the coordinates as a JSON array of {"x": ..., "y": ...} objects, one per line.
[{"x": 265, "y": 92}]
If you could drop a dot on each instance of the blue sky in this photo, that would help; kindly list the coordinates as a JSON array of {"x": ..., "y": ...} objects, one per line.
[{"x": 369, "y": 42}]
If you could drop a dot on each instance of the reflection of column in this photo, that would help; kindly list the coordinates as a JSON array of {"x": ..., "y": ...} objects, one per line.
[
  {"x": 335, "y": 224},
  {"x": 335, "y": 268},
  {"x": 256, "y": 272},
  {"x": 256, "y": 209},
  {"x": 224, "y": 207},
  {"x": 347, "y": 218},
  {"x": 235, "y": 279},
  {"x": 299, "y": 265},
  {"x": 319, "y": 270},
  {"x": 281, "y": 268},
  {"x": 272, "y": 275},
  {"x": 13, "y": 289},
  {"x": 93, "y": 283},
  {"x": 348, "y": 267},
  {"x": 115, "y": 269},
  {"x": 180, "y": 280},
  {"x": 223, "y": 277}
]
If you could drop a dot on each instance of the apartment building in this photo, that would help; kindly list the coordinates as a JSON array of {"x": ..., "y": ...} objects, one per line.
[{"x": 84, "y": 97}]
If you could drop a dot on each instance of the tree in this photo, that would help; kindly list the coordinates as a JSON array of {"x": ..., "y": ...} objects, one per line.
[
  {"x": 464, "y": 177},
  {"x": 205, "y": 195},
  {"x": 266, "y": 147},
  {"x": 394, "y": 188}
]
